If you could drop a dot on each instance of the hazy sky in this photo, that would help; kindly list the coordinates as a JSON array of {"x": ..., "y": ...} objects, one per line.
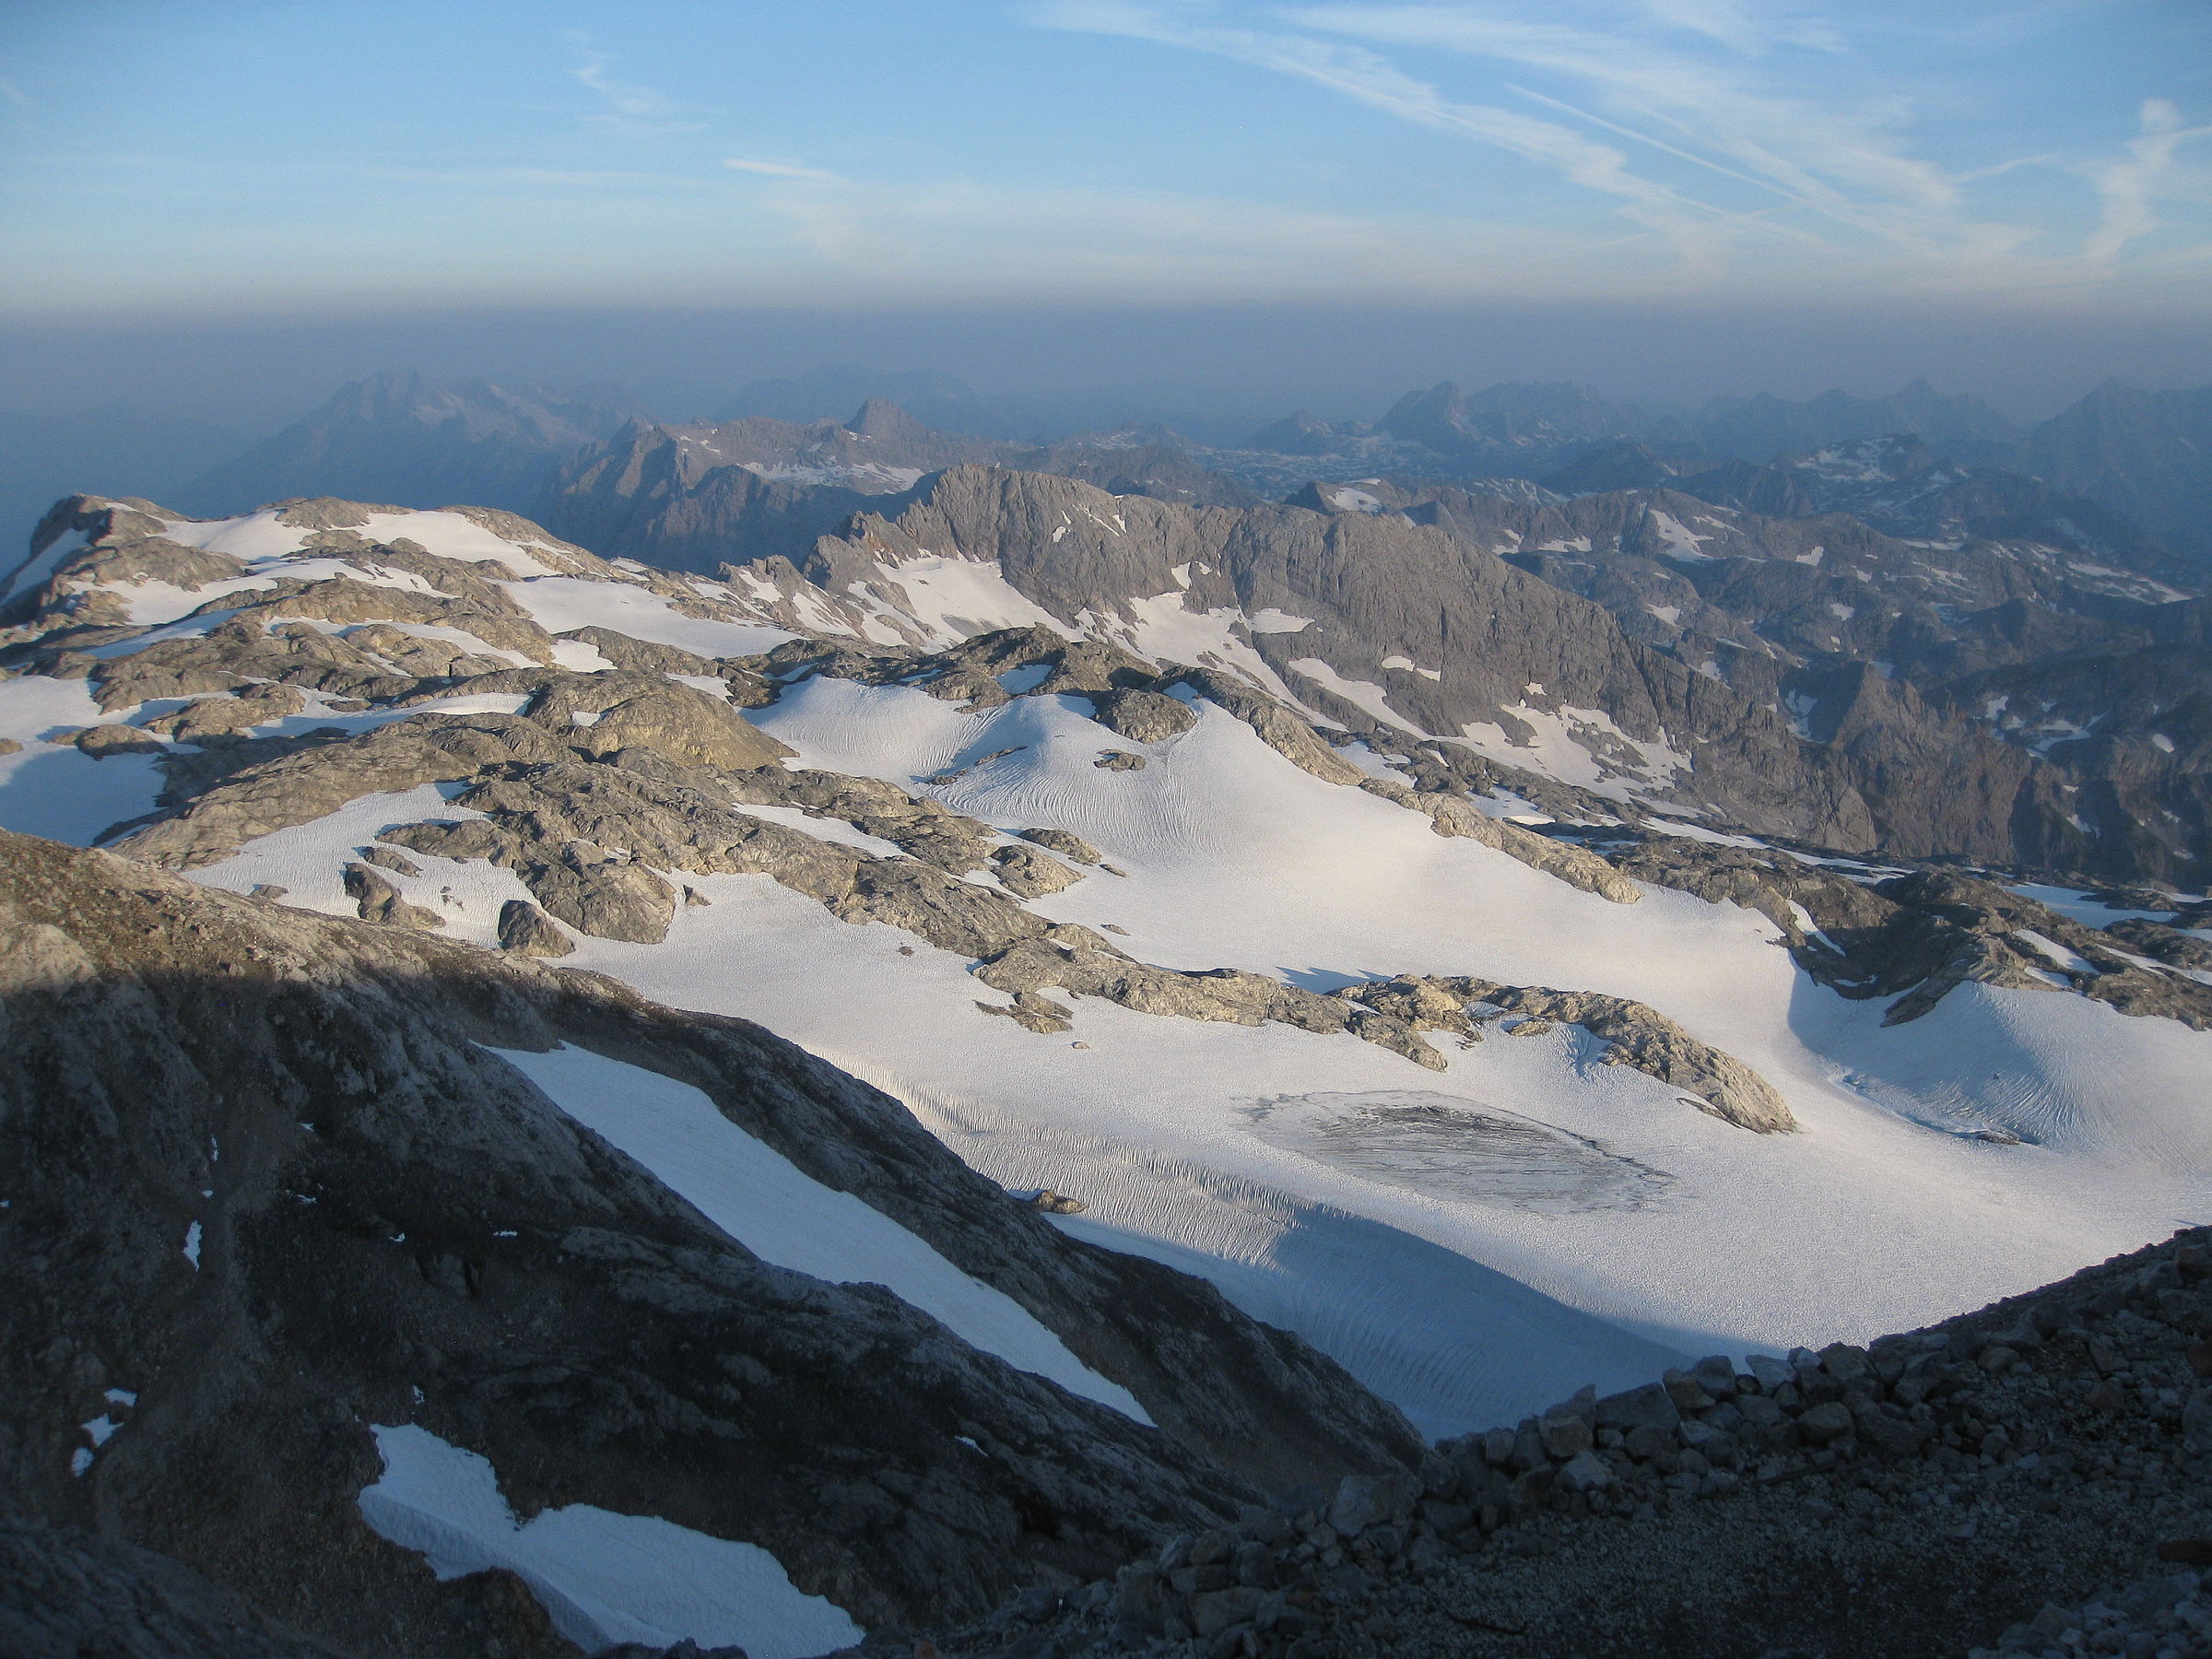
[{"x": 1897, "y": 161}]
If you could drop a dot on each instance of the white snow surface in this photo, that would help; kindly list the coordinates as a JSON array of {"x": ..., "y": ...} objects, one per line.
[
  {"x": 55, "y": 790},
  {"x": 1364, "y": 695},
  {"x": 1410, "y": 1222},
  {"x": 602, "y": 1578},
  {"x": 559, "y": 603},
  {"x": 1472, "y": 1308},
  {"x": 785, "y": 1216}
]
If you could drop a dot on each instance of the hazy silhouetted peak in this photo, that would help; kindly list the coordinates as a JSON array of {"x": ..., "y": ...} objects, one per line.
[
  {"x": 2147, "y": 455},
  {"x": 1512, "y": 414},
  {"x": 1760, "y": 427},
  {"x": 1627, "y": 464},
  {"x": 880, "y": 418},
  {"x": 827, "y": 393},
  {"x": 1304, "y": 433},
  {"x": 403, "y": 437}
]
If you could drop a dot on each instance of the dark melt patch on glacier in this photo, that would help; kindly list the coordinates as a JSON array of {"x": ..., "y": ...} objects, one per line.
[{"x": 1448, "y": 1147}]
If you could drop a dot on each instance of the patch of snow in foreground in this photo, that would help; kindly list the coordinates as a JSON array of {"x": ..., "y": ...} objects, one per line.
[
  {"x": 601, "y": 1578},
  {"x": 308, "y": 861},
  {"x": 785, "y": 1216},
  {"x": 55, "y": 790}
]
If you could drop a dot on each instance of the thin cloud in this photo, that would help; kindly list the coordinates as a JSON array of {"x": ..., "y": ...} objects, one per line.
[
  {"x": 1362, "y": 75},
  {"x": 622, "y": 96},
  {"x": 781, "y": 170},
  {"x": 2128, "y": 189},
  {"x": 1752, "y": 98},
  {"x": 1842, "y": 162},
  {"x": 630, "y": 108}
]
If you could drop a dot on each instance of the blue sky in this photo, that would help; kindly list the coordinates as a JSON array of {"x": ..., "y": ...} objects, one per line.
[{"x": 329, "y": 157}]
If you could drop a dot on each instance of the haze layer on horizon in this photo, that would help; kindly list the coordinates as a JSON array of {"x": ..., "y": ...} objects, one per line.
[{"x": 1263, "y": 203}]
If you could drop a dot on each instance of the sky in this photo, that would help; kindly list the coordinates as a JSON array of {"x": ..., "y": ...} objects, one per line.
[{"x": 2007, "y": 176}]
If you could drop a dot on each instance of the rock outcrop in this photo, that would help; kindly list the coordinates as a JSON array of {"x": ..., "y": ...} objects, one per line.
[
  {"x": 276, "y": 1191},
  {"x": 1919, "y": 1495}
]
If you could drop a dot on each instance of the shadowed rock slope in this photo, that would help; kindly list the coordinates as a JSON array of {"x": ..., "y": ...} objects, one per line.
[
  {"x": 2028, "y": 1478},
  {"x": 265, "y": 1190}
]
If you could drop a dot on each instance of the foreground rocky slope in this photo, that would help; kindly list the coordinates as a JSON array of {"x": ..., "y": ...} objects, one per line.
[
  {"x": 2031, "y": 1478},
  {"x": 271, "y": 1189}
]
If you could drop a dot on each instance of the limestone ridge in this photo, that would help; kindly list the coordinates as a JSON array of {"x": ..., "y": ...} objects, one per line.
[
  {"x": 1687, "y": 657},
  {"x": 283, "y": 1193},
  {"x": 683, "y": 496}
]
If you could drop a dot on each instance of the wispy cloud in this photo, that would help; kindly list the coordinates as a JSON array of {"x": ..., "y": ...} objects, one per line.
[
  {"x": 780, "y": 170},
  {"x": 19, "y": 104},
  {"x": 1729, "y": 128},
  {"x": 627, "y": 106},
  {"x": 1356, "y": 72},
  {"x": 2128, "y": 189}
]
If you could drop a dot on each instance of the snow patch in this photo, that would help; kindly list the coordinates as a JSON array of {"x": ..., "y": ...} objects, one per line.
[
  {"x": 602, "y": 1578},
  {"x": 784, "y": 1215}
]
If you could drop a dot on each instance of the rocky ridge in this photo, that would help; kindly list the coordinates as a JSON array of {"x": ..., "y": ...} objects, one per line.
[
  {"x": 1671, "y": 653},
  {"x": 1965, "y": 1486},
  {"x": 283, "y": 1191}
]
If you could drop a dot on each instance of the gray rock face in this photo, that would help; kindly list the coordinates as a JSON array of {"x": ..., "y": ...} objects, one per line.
[
  {"x": 1029, "y": 873},
  {"x": 2143, "y": 453},
  {"x": 528, "y": 931},
  {"x": 1636, "y": 1035},
  {"x": 379, "y": 900},
  {"x": 1144, "y": 716},
  {"x": 299, "y": 788},
  {"x": 1727, "y": 659},
  {"x": 64, "y": 1592},
  {"x": 1065, "y": 842},
  {"x": 603, "y": 713},
  {"x": 164, "y": 1043},
  {"x": 1953, "y": 1480}
]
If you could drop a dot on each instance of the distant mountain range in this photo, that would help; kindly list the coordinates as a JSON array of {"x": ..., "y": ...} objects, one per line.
[
  {"x": 404, "y": 438},
  {"x": 411, "y": 441}
]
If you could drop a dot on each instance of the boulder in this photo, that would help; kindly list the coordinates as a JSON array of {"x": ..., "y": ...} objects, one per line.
[
  {"x": 1826, "y": 1422},
  {"x": 1365, "y": 1500},
  {"x": 1144, "y": 717},
  {"x": 2196, "y": 1421},
  {"x": 1066, "y": 843},
  {"x": 1649, "y": 1406},
  {"x": 528, "y": 931},
  {"x": 1030, "y": 873},
  {"x": 1586, "y": 1472},
  {"x": 607, "y": 897},
  {"x": 100, "y": 741},
  {"x": 379, "y": 900},
  {"x": 1565, "y": 1433}
]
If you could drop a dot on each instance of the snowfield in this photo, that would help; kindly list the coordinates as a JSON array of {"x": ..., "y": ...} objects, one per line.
[{"x": 1473, "y": 1244}]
